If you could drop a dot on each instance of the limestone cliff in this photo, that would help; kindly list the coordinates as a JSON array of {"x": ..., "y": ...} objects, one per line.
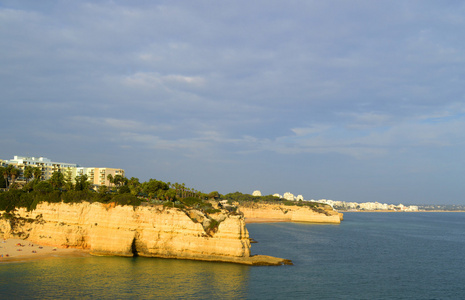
[
  {"x": 281, "y": 212},
  {"x": 150, "y": 231}
]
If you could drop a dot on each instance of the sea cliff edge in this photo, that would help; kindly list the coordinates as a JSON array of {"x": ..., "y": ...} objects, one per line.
[
  {"x": 288, "y": 213},
  {"x": 148, "y": 231}
]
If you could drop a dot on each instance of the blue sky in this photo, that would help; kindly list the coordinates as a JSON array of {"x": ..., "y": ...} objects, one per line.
[{"x": 344, "y": 100}]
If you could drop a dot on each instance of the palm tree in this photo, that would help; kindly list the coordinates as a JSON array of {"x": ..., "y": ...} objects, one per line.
[
  {"x": 37, "y": 172},
  {"x": 6, "y": 175},
  {"x": 14, "y": 173},
  {"x": 4, "y": 172},
  {"x": 110, "y": 179},
  {"x": 117, "y": 180},
  {"x": 27, "y": 173}
]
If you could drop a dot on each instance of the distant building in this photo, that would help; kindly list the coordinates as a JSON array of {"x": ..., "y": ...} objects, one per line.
[
  {"x": 97, "y": 176},
  {"x": 289, "y": 196},
  {"x": 46, "y": 165},
  {"x": 256, "y": 193}
]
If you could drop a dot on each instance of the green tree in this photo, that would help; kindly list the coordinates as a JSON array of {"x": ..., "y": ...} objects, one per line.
[
  {"x": 214, "y": 195},
  {"x": 68, "y": 180},
  {"x": 82, "y": 184},
  {"x": 57, "y": 180},
  {"x": 154, "y": 188},
  {"x": 134, "y": 186},
  {"x": 6, "y": 175},
  {"x": 124, "y": 190},
  {"x": 43, "y": 187},
  {"x": 10, "y": 173},
  {"x": 110, "y": 179},
  {"x": 14, "y": 174},
  {"x": 28, "y": 173},
  {"x": 3, "y": 179},
  {"x": 120, "y": 180},
  {"x": 37, "y": 172}
]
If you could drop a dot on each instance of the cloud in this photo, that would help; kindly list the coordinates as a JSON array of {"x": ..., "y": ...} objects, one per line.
[
  {"x": 155, "y": 80},
  {"x": 237, "y": 85}
]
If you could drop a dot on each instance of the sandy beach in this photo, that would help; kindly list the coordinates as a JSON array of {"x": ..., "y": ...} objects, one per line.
[{"x": 22, "y": 250}]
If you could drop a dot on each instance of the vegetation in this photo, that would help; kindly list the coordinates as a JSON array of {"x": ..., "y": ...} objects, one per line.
[
  {"x": 246, "y": 199},
  {"x": 121, "y": 190}
]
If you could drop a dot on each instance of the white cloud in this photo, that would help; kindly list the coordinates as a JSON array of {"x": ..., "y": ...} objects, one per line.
[{"x": 156, "y": 80}]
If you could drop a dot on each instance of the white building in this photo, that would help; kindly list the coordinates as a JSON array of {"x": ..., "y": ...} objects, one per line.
[
  {"x": 289, "y": 196},
  {"x": 256, "y": 193},
  {"x": 97, "y": 176},
  {"x": 47, "y": 166}
]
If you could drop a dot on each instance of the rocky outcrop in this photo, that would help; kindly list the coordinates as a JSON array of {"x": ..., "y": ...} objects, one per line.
[
  {"x": 289, "y": 213},
  {"x": 150, "y": 231}
]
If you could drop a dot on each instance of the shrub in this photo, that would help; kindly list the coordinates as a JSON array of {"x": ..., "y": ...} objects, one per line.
[
  {"x": 77, "y": 196},
  {"x": 8, "y": 200},
  {"x": 191, "y": 201},
  {"x": 211, "y": 210},
  {"x": 43, "y": 187},
  {"x": 127, "y": 199},
  {"x": 25, "y": 200}
]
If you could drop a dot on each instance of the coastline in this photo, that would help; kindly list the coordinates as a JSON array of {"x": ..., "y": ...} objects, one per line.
[
  {"x": 265, "y": 220},
  {"x": 393, "y": 211},
  {"x": 18, "y": 250}
]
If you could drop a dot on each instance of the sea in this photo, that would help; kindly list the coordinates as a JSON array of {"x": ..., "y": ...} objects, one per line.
[{"x": 368, "y": 256}]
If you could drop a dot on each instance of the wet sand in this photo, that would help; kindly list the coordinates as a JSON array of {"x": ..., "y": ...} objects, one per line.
[{"x": 22, "y": 250}]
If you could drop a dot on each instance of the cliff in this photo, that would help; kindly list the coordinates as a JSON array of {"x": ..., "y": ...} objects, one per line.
[
  {"x": 150, "y": 231},
  {"x": 280, "y": 212}
]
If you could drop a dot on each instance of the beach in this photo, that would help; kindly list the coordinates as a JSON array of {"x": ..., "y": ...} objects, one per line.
[{"x": 22, "y": 250}]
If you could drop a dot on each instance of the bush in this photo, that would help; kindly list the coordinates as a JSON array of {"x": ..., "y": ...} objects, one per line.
[
  {"x": 127, "y": 199},
  {"x": 43, "y": 187},
  {"x": 191, "y": 201},
  {"x": 8, "y": 200},
  {"x": 124, "y": 190},
  {"x": 212, "y": 210},
  {"x": 77, "y": 196},
  {"x": 25, "y": 200}
]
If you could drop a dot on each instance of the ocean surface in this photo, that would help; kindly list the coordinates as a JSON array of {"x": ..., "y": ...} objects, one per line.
[{"x": 367, "y": 256}]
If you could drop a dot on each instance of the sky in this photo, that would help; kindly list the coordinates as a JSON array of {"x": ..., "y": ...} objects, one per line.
[{"x": 344, "y": 100}]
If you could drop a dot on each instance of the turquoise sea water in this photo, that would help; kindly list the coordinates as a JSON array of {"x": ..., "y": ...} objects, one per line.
[{"x": 368, "y": 256}]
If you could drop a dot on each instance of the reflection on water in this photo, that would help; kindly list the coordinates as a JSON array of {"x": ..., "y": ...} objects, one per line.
[
  {"x": 368, "y": 256},
  {"x": 122, "y": 278}
]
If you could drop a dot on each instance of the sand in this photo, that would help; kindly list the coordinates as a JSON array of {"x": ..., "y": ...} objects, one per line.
[{"x": 22, "y": 250}]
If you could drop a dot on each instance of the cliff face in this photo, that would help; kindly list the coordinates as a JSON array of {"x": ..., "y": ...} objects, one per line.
[
  {"x": 127, "y": 231},
  {"x": 289, "y": 213}
]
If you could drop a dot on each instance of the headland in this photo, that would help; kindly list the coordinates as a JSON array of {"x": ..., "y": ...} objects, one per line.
[{"x": 148, "y": 231}]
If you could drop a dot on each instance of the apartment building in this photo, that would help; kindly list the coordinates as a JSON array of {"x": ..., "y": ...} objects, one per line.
[
  {"x": 97, "y": 176},
  {"x": 47, "y": 166}
]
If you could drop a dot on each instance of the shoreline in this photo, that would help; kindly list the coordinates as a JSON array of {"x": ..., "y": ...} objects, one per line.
[
  {"x": 265, "y": 220},
  {"x": 18, "y": 250},
  {"x": 393, "y": 211}
]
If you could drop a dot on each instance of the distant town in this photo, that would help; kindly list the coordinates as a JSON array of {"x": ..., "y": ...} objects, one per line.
[
  {"x": 101, "y": 176},
  {"x": 369, "y": 206},
  {"x": 97, "y": 176}
]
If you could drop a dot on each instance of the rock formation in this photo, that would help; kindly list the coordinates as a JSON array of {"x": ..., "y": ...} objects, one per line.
[
  {"x": 290, "y": 213},
  {"x": 150, "y": 231}
]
